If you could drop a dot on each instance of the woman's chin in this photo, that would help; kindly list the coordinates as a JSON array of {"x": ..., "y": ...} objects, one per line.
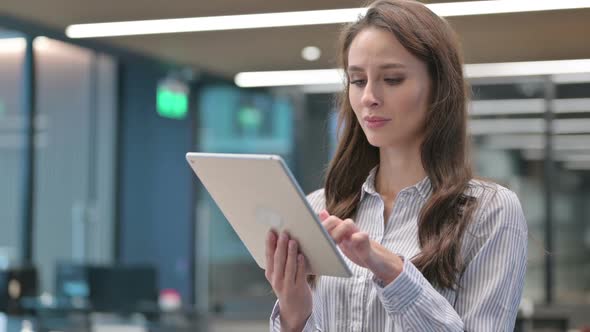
[
  {"x": 376, "y": 142},
  {"x": 383, "y": 142}
]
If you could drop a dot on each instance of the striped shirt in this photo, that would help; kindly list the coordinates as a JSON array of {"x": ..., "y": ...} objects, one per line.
[{"x": 494, "y": 251}]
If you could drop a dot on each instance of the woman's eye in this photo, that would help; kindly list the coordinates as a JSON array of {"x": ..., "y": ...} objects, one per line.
[
  {"x": 394, "y": 81},
  {"x": 358, "y": 82}
]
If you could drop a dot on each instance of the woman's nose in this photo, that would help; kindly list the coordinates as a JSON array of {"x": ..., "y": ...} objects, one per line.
[{"x": 370, "y": 97}]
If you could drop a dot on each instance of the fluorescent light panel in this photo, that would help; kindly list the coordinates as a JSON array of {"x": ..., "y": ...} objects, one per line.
[
  {"x": 312, "y": 17},
  {"x": 215, "y": 23},
  {"x": 506, "y": 106},
  {"x": 527, "y": 126},
  {"x": 572, "y": 78},
  {"x": 503, "y": 6},
  {"x": 18, "y": 44},
  {"x": 506, "y": 126},
  {"x": 572, "y": 142},
  {"x": 11, "y": 45},
  {"x": 322, "y": 88},
  {"x": 290, "y": 77},
  {"x": 537, "y": 142},
  {"x": 528, "y": 106},
  {"x": 525, "y": 142},
  {"x": 571, "y": 126},
  {"x": 323, "y": 76},
  {"x": 504, "y": 69},
  {"x": 572, "y": 105}
]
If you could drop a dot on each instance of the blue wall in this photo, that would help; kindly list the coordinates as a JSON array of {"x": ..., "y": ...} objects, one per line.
[{"x": 155, "y": 183}]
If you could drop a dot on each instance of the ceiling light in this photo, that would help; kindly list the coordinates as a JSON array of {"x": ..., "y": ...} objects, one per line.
[
  {"x": 572, "y": 78},
  {"x": 527, "y": 68},
  {"x": 503, "y": 6},
  {"x": 471, "y": 71},
  {"x": 524, "y": 142},
  {"x": 311, "y": 53},
  {"x": 571, "y": 105},
  {"x": 312, "y": 17},
  {"x": 321, "y": 88},
  {"x": 213, "y": 23},
  {"x": 10, "y": 45},
  {"x": 571, "y": 142},
  {"x": 506, "y": 126},
  {"x": 571, "y": 126},
  {"x": 537, "y": 142},
  {"x": 289, "y": 77},
  {"x": 506, "y": 106},
  {"x": 42, "y": 43},
  {"x": 527, "y": 126},
  {"x": 527, "y": 106}
]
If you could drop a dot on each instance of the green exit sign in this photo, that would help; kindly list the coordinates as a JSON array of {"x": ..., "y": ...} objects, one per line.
[{"x": 172, "y": 100}]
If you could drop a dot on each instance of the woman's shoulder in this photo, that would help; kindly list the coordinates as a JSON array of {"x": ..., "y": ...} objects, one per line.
[
  {"x": 317, "y": 200},
  {"x": 497, "y": 207}
]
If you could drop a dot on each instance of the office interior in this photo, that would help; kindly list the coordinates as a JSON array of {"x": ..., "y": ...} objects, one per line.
[{"x": 104, "y": 227}]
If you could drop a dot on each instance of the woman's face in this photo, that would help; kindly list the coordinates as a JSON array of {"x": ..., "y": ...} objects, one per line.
[{"x": 389, "y": 89}]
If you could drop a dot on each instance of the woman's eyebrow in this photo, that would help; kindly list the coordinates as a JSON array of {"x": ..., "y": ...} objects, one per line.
[{"x": 383, "y": 66}]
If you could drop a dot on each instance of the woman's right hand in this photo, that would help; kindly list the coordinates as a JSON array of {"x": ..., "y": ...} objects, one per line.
[{"x": 285, "y": 270}]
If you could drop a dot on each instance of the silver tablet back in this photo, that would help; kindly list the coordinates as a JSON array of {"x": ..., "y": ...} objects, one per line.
[{"x": 257, "y": 193}]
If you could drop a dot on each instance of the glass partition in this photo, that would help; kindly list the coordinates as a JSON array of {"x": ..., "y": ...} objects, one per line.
[
  {"x": 234, "y": 120},
  {"x": 12, "y": 51}
]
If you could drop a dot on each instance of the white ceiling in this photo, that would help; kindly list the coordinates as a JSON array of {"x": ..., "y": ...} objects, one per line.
[{"x": 492, "y": 38}]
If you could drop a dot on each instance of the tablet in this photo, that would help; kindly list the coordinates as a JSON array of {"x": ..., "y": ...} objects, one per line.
[{"x": 257, "y": 193}]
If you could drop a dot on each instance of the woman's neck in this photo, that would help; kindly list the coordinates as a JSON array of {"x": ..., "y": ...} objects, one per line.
[{"x": 398, "y": 168}]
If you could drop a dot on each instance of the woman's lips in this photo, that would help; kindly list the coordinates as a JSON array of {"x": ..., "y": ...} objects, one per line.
[{"x": 375, "y": 122}]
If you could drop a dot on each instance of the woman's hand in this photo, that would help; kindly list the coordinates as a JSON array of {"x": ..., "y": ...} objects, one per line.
[
  {"x": 363, "y": 251},
  {"x": 285, "y": 270}
]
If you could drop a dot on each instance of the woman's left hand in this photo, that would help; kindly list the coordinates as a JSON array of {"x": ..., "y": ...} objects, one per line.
[{"x": 361, "y": 250}]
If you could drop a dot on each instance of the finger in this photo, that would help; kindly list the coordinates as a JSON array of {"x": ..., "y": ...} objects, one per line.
[
  {"x": 324, "y": 215},
  {"x": 344, "y": 231},
  {"x": 271, "y": 245},
  {"x": 331, "y": 222},
  {"x": 300, "y": 269},
  {"x": 291, "y": 265},
  {"x": 359, "y": 240},
  {"x": 280, "y": 258}
]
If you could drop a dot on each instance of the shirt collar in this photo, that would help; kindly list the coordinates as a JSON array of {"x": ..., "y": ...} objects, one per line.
[
  {"x": 423, "y": 187},
  {"x": 369, "y": 185}
]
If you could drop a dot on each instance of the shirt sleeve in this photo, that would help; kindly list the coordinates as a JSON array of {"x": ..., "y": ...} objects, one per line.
[
  {"x": 490, "y": 287},
  {"x": 310, "y": 326}
]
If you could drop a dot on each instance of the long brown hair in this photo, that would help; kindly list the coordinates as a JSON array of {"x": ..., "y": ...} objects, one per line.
[{"x": 444, "y": 150}]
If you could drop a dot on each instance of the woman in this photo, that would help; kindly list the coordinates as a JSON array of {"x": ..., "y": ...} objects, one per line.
[{"x": 431, "y": 248}]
